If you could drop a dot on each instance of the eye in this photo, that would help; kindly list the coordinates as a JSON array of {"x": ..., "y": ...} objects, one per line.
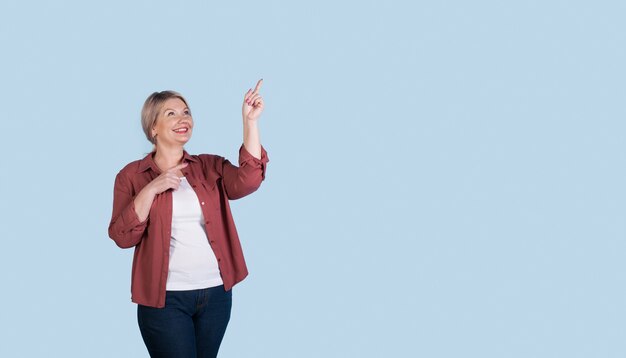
[
  {"x": 170, "y": 113},
  {"x": 187, "y": 112}
]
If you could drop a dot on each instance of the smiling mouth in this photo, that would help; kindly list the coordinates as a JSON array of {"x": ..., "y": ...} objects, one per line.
[{"x": 181, "y": 130}]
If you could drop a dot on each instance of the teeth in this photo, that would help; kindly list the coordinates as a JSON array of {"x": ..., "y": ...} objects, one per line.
[{"x": 181, "y": 130}]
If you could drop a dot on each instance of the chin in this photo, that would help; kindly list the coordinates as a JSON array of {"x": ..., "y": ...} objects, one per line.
[{"x": 183, "y": 140}]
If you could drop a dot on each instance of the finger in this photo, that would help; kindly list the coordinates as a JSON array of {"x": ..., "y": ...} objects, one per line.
[
  {"x": 258, "y": 85},
  {"x": 248, "y": 99},
  {"x": 168, "y": 181},
  {"x": 247, "y": 95},
  {"x": 172, "y": 178},
  {"x": 177, "y": 167},
  {"x": 254, "y": 98},
  {"x": 173, "y": 183},
  {"x": 258, "y": 102}
]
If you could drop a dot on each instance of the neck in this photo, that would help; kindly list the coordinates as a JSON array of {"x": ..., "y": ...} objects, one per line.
[{"x": 168, "y": 157}]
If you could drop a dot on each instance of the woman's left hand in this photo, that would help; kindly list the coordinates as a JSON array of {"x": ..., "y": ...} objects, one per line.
[{"x": 252, "y": 103}]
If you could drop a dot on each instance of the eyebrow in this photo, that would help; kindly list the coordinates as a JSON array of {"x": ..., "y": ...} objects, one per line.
[{"x": 171, "y": 109}]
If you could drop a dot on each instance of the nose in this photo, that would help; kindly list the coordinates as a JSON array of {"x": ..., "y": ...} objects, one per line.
[{"x": 185, "y": 119}]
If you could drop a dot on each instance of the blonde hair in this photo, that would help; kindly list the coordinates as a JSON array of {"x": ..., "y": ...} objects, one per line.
[{"x": 151, "y": 109}]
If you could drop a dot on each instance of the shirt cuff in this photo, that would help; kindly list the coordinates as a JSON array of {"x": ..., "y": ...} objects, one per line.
[
  {"x": 245, "y": 156},
  {"x": 249, "y": 159},
  {"x": 131, "y": 220}
]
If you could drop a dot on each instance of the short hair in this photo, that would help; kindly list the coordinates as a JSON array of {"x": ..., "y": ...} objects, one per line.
[{"x": 151, "y": 109}]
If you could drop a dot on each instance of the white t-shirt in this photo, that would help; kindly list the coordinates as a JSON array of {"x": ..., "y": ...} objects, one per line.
[{"x": 193, "y": 264}]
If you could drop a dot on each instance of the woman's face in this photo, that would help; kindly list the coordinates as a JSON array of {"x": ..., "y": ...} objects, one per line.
[{"x": 174, "y": 123}]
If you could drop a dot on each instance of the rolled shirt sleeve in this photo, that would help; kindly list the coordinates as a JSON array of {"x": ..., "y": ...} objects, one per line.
[
  {"x": 245, "y": 179},
  {"x": 125, "y": 228}
]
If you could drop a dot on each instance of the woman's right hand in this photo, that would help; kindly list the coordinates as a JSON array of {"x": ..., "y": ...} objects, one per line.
[{"x": 167, "y": 180}]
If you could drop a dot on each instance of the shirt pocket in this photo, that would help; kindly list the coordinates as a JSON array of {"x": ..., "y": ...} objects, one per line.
[{"x": 211, "y": 197}]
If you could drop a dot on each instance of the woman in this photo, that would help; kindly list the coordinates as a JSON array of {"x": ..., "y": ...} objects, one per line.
[{"x": 172, "y": 207}]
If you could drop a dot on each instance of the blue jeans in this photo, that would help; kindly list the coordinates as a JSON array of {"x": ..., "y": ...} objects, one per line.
[{"x": 192, "y": 323}]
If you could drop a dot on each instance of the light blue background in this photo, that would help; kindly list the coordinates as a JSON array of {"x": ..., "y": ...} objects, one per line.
[{"x": 446, "y": 179}]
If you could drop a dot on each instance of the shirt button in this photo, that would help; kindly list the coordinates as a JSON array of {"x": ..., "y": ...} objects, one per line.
[
  {"x": 202, "y": 203},
  {"x": 207, "y": 222},
  {"x": 193, "y": 186},
  {"x": 218, "y": 259}
]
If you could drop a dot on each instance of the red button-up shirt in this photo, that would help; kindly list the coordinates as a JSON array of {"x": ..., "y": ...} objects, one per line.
[{"x": 215, "y": 180}]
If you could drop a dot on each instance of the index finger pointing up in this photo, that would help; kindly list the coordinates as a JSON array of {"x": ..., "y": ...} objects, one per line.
[{"x": 258, "y": 85}]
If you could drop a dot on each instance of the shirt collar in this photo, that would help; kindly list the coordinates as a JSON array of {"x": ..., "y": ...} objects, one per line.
[{"x": 148, "y": 162}]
